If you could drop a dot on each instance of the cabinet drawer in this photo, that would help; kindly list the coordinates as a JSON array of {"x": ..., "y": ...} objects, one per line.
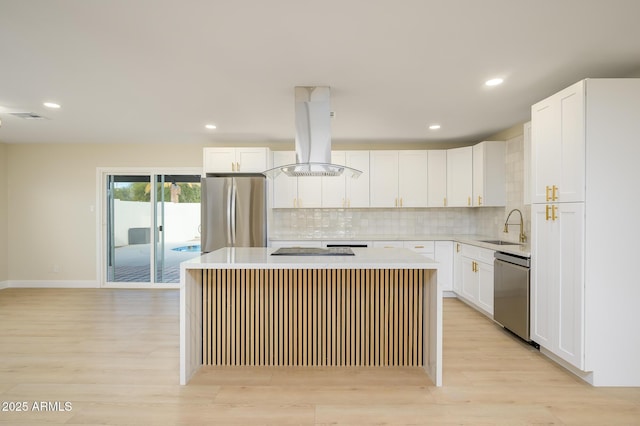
[
  {"x": 422, "y": 247},
  {"x": 480, "y": 254},
  {"x": 388, "y": 244}
]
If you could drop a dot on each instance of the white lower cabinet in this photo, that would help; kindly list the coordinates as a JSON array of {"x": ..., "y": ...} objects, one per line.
[
  {"x": 473, "y": 275},
  {"x": 444, "y": 256},
  {"x": 441, "y": 252},
  {"x": 457, "y": 268},
  {"x": 557, "y": 280}
]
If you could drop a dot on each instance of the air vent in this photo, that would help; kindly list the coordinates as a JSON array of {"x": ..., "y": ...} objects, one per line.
[{"x": 28, "y": 115}]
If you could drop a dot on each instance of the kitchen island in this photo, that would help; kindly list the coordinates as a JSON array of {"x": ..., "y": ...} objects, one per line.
[{"x": 245, "y": 306}]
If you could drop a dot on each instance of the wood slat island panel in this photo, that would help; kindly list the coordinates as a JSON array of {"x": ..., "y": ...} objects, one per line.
[
  {"x": 242, "y": 306},
  {"x": 313, "y": 317}
]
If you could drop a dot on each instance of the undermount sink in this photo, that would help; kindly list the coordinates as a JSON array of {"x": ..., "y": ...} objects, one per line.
[{"x": 500, "y": 242}]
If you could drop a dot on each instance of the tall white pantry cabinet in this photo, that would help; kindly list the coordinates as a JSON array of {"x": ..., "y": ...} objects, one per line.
[{"x": 585, "y": 286}]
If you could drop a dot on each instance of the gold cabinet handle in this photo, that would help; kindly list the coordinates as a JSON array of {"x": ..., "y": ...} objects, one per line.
[
  {"x": 233, "y": 166},
  {"x": 554, "y": 193},
  {"x": 553, "y": 212},
  {"x": 400, "y": 201},
  {"x": 444, "y": 202},
  {"x": 396, "y": 203},
  {"x": 418, "y": 246},
  {"x": 348, "y": 202},
  {"x": 295, "y": 202},
  {"x": 468, "y": 201},
  {"x": 546, "y": 193},
  {"x": 546, "y": 211},
  {"x": 457, "y": 247},
  {"x": 479, "y": 200}
]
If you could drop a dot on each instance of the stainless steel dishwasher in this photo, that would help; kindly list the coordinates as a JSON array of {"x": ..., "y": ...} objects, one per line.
[{"x": 511, "y": 293}]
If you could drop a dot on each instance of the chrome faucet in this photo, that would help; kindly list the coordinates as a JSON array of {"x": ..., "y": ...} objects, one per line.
[{"x": 523, "y": 236}]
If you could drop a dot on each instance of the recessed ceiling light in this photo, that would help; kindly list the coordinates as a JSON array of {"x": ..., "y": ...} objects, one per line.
[
  {"x": 494, "y": 82},
  {"x": 434, "y": 127},
  {"x": 210, "y": 126},
  {"x": 52, "y": 105}
]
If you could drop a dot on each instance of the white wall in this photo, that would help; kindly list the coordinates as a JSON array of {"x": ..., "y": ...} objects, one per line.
[
  {"x": 52, "y": 215},
  {"x": 4, "y": 248}
]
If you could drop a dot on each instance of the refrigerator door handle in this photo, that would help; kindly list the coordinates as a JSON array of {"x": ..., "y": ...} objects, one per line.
[
  {"x": 233, "y": 211},
  {"x": 229, "y": 211}
]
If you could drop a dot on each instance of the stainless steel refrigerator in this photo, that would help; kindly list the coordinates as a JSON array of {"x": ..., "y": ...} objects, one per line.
[{"x": 233, "y": 212}]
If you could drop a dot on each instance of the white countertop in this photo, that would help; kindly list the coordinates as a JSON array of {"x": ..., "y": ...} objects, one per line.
[
  {"x": 260, "y": 258},
  {"x": 476, "y": 240}
]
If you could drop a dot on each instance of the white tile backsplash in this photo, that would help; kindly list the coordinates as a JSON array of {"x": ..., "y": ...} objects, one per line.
[{"x": 345, "y": 223}]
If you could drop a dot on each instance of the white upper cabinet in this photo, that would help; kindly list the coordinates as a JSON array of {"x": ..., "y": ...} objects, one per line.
[
  {"x": 459, "y": 176},
  {"x": 558, "y": 147},
  {"x": 437, "y": 178},
  {"x": 412, "y": 178},
  {"x": 292, "y": 192},
  {"x": 236, "y": 160},
  {"x": 345, "y": 191},
  {"x": 384, "y": 178},
  {"x": 285, "y": 188},
  {"x": 357, "y": 189},
  {"x": 398, "y": 178},
  {"x": 489, "y": 186},
  {"x": 334, "y": 188}
]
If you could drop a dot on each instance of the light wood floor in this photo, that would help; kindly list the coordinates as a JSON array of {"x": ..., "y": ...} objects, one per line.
[{"x": 113, "y": 355}]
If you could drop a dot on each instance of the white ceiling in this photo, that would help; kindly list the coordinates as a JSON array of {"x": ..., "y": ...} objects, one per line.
[{"x": 157, "y": 71}]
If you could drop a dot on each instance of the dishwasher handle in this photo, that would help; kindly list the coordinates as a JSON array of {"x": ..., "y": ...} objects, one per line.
[{"x": 512, "y": 258}]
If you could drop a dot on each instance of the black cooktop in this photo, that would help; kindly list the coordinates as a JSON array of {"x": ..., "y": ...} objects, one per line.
[{"x": 313, "y": 251}]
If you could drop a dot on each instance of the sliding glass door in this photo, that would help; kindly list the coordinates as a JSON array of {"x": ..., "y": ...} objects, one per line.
[
  {"x": 178, "y": 223},
  {"x": 152, "y": 225}
]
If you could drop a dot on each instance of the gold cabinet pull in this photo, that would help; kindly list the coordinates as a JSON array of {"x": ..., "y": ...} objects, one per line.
[
  {"x": 546, "y": 211},
  {"x": 295, "y": 202},
  {"x": 444, "y": 202},
  {"x": 553, "y": 212},
  {"x": 468, "y": 201},
  {"x": 457, "y": 247},
  {"x": 479, "y": 200},
  {"x": 400, "y": 201},
  {"x": 396, "y": 203},
  {"x": 348, "y": 202},
  {"x": 418, "y": 246},
  {"x": 233, "y": 166},
  {"x": 554, "y": 193},
  {"x": 546, "y": 193}
]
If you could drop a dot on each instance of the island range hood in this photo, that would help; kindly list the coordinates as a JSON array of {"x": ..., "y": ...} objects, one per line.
[{"x": 313, "y": 137}]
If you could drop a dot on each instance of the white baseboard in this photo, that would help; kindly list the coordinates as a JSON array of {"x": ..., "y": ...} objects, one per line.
[
  {"x": 51, "y": 284},
  {"x": 4, "y": 284}
]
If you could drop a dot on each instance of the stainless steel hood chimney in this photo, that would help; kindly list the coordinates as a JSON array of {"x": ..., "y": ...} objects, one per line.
[{"x": 313, "y": 136}]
